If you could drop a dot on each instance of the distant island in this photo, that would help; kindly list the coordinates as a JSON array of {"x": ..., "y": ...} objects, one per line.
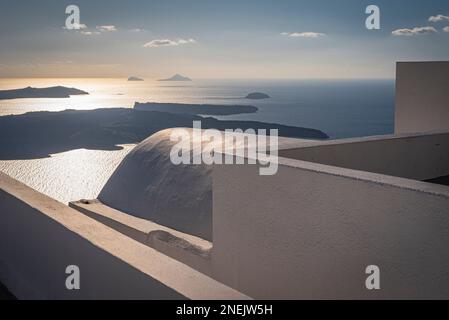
[
  {"x": 135, "y": 79},
  {"x": 205, "y": 109},
  {"x": 257, "y": 96},
  {"x": 39, "y": 134},
  {"x": 177, "y": 77},
  {"x": 51, "y": 92}
]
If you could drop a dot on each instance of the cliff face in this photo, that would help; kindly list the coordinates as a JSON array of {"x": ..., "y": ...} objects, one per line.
[{"x": 40, "y": 134}]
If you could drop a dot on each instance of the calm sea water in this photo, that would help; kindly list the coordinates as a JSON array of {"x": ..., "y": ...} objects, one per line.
[{"x": 342, "y": 109}]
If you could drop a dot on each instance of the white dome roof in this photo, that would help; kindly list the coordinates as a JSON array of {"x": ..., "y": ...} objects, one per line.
[{"x": 149, "y": 186}]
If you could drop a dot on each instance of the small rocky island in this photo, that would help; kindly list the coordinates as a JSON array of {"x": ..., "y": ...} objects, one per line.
[
  {"x": 51, "y": 92},
  {"x": 257, "y": 96},
  {"x": 176, "y": 77},
  {"x": 135, "y": 79}
]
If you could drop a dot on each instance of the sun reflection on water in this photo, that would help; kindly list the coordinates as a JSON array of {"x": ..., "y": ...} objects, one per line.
[
  {"x": 74, "y": 175},
  {"x": 103, "y": 93}
]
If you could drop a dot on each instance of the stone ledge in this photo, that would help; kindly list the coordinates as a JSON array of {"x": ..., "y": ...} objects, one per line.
[{"x": 39, "y": 237}]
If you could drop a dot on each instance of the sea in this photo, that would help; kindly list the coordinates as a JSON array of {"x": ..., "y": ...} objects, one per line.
[{"x": 340, "y": 108}]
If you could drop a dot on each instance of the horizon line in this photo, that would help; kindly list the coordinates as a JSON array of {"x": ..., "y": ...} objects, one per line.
[{"x": 207, "y": 79}]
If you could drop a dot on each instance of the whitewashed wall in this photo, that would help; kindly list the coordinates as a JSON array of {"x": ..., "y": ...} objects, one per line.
[
  {"x": 311, "y": 230},
  {"x": 419, "y": 157}
]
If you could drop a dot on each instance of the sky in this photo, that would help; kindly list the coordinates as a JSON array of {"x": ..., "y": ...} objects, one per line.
[{"x": 211, "y": 39}]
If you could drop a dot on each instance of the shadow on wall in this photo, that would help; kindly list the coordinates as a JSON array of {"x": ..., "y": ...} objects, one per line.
[{"x": 5, "y": 294}]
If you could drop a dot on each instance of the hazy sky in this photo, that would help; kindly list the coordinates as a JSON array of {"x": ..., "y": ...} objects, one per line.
[{"x": 219, "y": 39}]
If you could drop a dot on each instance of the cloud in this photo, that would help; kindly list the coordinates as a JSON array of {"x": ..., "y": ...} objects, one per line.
[
  {"x": 82, "y": 29},
  {"x": 107, "y": 28},
  {"x": 77, "y": 26},
  {"x": 138, "y": 30},
  {"x": 168, "y": 43},
  {"x": 303, "y": 34},
  {"x": 438, "y": 18},
  {"x": 80, "y": 26},
  {"x": 89, "y": 33},
  {"x": 415, "y": 31},
  {"x": 446, "y": 29}
]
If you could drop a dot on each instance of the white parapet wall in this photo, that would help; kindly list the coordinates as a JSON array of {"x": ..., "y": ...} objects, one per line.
[
  {"x": 422, "y": 97},
  {"x": 311, "y": 230},
  {"x": 40, "y": 237},
  {"x": 412, "y": 156}
]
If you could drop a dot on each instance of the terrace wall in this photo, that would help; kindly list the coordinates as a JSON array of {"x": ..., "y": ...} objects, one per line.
[
  {"x": 311, "y": 230},
  {"x": 419, "y": 157}
]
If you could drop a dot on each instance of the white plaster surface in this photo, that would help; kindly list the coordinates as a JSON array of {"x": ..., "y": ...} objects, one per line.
[
  {"x": 311, "y": 230},
  {"x": 188, "y": 249}
]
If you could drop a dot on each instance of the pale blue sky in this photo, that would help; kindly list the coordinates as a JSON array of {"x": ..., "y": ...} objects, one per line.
[{"x": 218, "y": 39}]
